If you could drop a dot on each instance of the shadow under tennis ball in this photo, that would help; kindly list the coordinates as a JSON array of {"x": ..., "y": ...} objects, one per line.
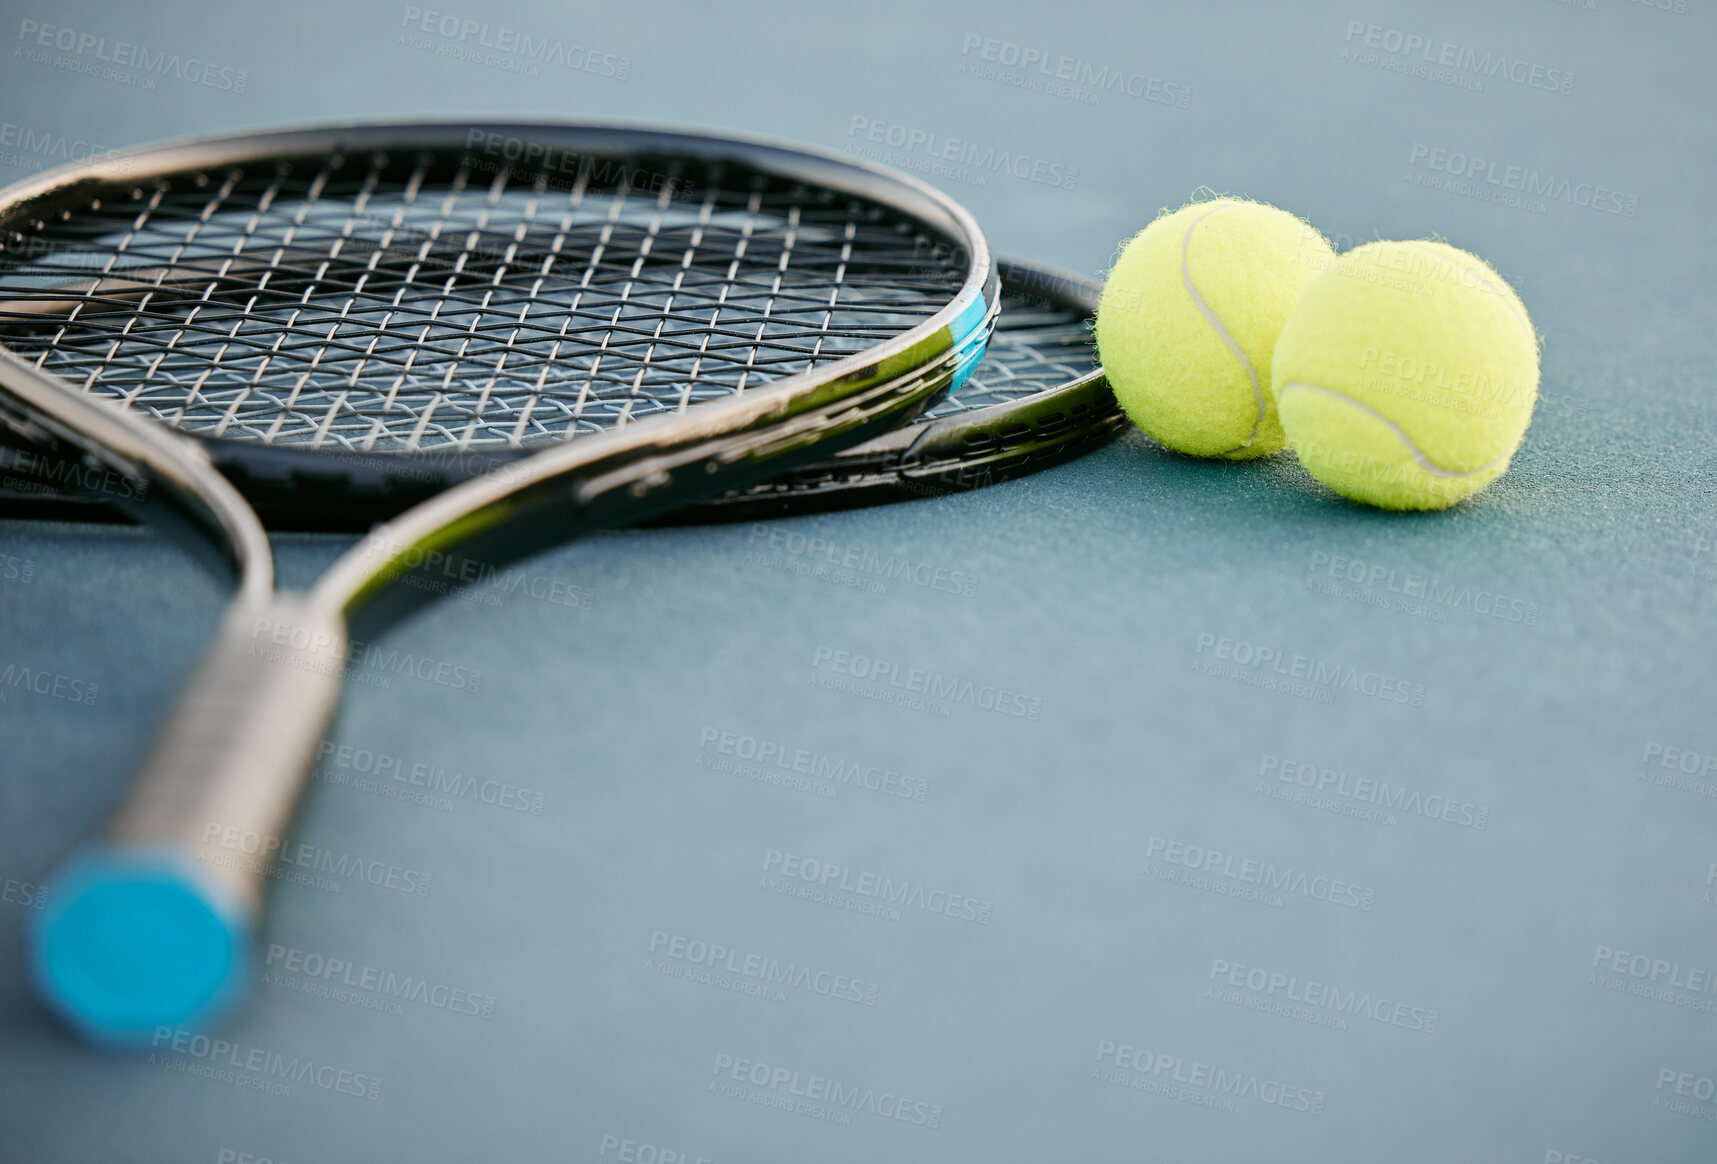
[{"x": 1284, "y": 488}]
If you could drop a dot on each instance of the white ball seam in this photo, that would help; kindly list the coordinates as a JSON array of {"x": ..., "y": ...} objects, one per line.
[
  {"x": 1222, "y": 332},
  {"x": 1425, "y": 462}
]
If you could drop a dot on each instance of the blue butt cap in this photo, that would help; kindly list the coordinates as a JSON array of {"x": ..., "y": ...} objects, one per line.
[{"x": 133, "y": 940}]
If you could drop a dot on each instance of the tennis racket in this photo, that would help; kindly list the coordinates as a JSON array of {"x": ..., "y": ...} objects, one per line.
[
  {"x": 546, "y": 329},
  {"x": 1036, "y": 400}
]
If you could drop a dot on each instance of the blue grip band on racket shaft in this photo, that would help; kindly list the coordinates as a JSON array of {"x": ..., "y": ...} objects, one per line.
[{"x": 970, "y": 339}]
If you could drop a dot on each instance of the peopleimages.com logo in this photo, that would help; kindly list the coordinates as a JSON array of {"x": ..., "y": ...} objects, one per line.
[
  {"x": 90, "y": 53},
  {"x": 1489, "y": 180},
  {"x": 823, "y": 1091},
  {"x": 310, "y": 972},
  {"x": 1270, "y": 987},
  {"x": 831, "y": 877},
  {"x": 1249, "y": 878},
  {"x": 338, "y": 763},
  {"x": 868, "y": 567},
  {"x": 1328, "y": 788},
  {"x": 1214, "y": 1085},
  {"x": 763, "y": 969},
  {"x": 1449, "y": 62},
  {"x": 1238, "y": 657},
  {"x": 766, "y": 755},
  {"x": 267, "y": 1067},
  {"x": 965, "y": 157},
  {"x": 28, "y": 147},
  {"x": 24, "y": 894},
  {"x": 278, "y": 856},
  {"x": 512, "y": 49},
  {"x": 628, "y": 1150},
  {"x": 1059, "y": 75},
  {"x": 301, "y": 648},
  {"x": 40, "y": 681},
  {"x": 889, "y": 682},
  {"x": 1374, "y": 578},
  {"x": 63, "y": 472}
]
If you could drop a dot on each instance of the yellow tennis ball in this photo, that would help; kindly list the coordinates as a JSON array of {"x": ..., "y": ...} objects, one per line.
[
  {"x": 1406, "y": 375},
  {"x": 1189, "y": 317}
]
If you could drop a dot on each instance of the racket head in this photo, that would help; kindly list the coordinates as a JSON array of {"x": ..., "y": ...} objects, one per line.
[{"x": 353, "y": 318}]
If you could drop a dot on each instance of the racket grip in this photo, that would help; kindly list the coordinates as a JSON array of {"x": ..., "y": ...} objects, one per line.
[{"x": 151, "y": 928}]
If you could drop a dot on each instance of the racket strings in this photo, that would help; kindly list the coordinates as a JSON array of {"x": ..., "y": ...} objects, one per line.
[{"x": 382, "y": 304}]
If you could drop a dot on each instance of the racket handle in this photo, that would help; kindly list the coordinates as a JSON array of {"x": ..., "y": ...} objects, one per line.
[{"x": 150, "y": 930}]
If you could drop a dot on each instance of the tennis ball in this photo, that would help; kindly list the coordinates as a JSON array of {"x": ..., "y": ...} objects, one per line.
[
  {"x": 1406, "y": 375},
  {"x": 1189, "y": 317}
]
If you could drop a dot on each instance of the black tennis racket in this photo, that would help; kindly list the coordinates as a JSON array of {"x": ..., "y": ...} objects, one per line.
[{"x": 543, "y": 329}]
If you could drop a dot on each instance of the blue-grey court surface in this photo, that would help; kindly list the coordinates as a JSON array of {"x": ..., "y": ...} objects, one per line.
[{"x": 684, "y": 890}]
